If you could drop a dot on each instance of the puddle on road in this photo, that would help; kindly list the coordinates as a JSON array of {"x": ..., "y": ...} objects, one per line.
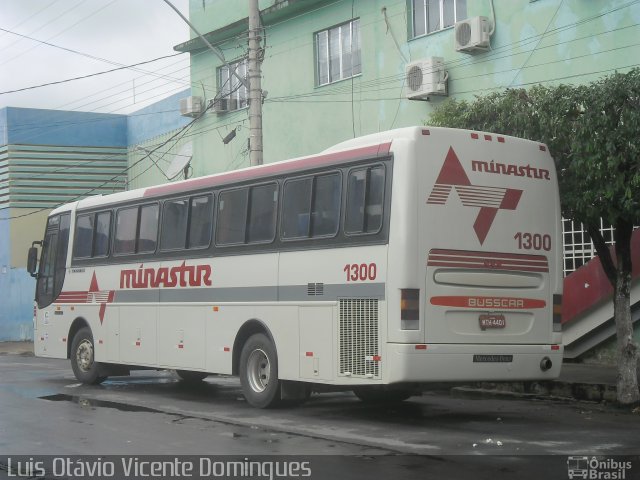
[{"x": 91, "y": 402}]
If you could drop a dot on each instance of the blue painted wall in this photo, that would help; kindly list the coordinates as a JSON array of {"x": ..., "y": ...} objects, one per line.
[
  {"x": 157, "y": 119},
  {"x": 16, "y": 292},
  {"x": 31, "y": 126}
]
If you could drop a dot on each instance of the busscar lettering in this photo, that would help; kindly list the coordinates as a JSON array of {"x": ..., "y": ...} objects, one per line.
[
  {"x": 495, "y": 302},
  {"x": 510, "y": 169},
  {"x": 182, "y": 275}
]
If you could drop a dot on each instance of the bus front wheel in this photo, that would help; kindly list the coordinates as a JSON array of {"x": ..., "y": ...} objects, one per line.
[
  {"x": 259, "y": 372},
  {"x": 83, "y": 363}
]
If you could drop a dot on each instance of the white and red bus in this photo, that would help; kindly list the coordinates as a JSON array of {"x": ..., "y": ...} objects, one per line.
[{"x": 388, "y": 261}]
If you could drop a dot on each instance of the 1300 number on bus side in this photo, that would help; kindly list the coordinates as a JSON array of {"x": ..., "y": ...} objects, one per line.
[{"x": 360, "y": 272}]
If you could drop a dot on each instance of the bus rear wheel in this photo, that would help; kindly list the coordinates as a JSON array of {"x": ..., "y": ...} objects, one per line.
[
  {"x": 83, "y": 363},
  {"x": 259, "y": 372}
]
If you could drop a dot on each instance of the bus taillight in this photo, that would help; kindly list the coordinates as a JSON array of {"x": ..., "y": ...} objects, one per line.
[{"x": 410, "y": 308}]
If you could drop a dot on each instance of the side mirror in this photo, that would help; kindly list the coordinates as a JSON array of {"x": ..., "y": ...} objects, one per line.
[{"x": 32, "y": 261}]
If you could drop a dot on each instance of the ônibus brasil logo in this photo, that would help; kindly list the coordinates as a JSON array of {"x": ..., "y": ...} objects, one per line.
[{"x": 489, "y": 199}]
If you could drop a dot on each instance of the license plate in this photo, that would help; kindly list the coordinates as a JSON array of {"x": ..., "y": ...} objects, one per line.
[
  {"x": 489, "y": 320},
  {"x": 492, "y": 358}
]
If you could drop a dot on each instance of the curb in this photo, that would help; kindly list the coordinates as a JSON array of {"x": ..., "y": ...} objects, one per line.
[{"x": 592, "y": 392}]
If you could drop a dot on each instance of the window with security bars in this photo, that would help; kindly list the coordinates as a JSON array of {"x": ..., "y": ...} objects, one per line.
[
  {"x": 432, "y": 15},
  {"x": 232, "y": 93},
  {"x": 359, "y": 347},
  {"x": 338, "y": 53},
  {"x": 578, "y": 248}
]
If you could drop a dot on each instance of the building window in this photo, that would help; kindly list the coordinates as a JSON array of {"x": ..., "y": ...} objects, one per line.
[
  {"x": 232, "y": 93},
  {"x": 338, "y": 53},
  {"x": 433, "y": 15}
]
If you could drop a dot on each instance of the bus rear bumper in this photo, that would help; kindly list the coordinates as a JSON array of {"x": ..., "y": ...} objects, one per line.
[{"x": 456, "y": 362}]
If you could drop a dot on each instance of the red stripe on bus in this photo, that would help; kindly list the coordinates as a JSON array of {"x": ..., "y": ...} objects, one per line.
[{"x": 374, "y": 151}]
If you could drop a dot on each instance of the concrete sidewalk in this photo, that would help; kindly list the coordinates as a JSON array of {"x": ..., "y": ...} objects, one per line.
[
  {"x": 24, "y": 349},
  {"x": 577, "y": 380}
]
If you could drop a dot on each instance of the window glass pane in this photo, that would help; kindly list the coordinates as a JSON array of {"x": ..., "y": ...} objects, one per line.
[
  {"x": 174, "y": 224},
  {"x": 461, "y": 10},
  {"x": 232, "y": 217},
  {"x": 262, "y": 217},
  {"x": 449, "y": 13},
  {"x": 356, "y": 190},
  {"x": 345, "y": 33},
  {"x": 61, "y": 256},
  {"x": 148, "y": 229},
  {"x": 47, "y": 268},
  {"x": 323, "y": 60},
  {"x": 375, "y": 199},
  {"x": 232, "y": 91},
  {"x": 419, "y": 13},
  {"x": 355, "y": 47},
  {"x": 201, "y": 218},
  {"x": 326, "y": 205},
  {"x": 103, "y": 228},
  {"x": 84, "y": 236},
  {"x": 365, "y": 200},
  {"x": 297, "y": 205},
  {"x": 433, "y": 15},
  {"x": 126, "y": 223},
  {"x": 334, "y": 54}
]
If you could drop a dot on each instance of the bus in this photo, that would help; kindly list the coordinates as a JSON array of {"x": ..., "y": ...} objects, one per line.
[{"x": 384, "y": 263}]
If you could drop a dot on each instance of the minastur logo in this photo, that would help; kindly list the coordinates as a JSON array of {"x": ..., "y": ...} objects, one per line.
[
  {"x": 594, "y": 468},
  {"x": 489, "y": 199}
]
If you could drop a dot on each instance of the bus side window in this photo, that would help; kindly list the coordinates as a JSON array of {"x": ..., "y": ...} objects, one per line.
[
  {"x": 326, "y": 205},
  {"x": 262, "y": 213},
  {"x": 174, "y": 224},
  {"x": 365, "y": 200},
  {"x": 84, "y": 236},
  {"x": 200, "y": 221},
  {"x": 232, "y": 217},
  {"x": 125, "y": 236},
  {"x": 102, "y": 234},
  {"x": 296, "y": 208},
  {"x": 148, "y": 231}
]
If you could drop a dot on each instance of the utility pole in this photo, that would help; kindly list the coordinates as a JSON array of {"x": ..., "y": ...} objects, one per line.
[{"x": 255, "y": 88}]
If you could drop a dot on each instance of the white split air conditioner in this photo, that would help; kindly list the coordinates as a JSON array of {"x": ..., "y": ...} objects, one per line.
[
  {"x": 191, "y": 106},
  {"x": 425, "y": 77},
  {"x": 473, "y": 35}
]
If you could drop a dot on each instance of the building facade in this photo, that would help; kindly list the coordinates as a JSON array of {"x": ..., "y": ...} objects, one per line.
[
  {"x": 335, "y": 69},
  {"x": 51, "y": 157}
]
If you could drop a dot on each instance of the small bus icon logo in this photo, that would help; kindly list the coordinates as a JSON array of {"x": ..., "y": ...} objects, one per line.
[{"x": 578, "y": 467}]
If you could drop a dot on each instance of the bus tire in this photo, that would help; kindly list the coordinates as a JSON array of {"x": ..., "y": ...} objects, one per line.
[
  {"x": 259, "y": 372},
  {"x": 379, "y": 395},
  {"x": 191, "y": 377},
  {"x": 83, "y": 363}
]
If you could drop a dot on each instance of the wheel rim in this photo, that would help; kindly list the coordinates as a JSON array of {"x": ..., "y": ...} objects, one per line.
[
  {"x": 84, "y": 355},
  {"x": 258, "y": 370}
]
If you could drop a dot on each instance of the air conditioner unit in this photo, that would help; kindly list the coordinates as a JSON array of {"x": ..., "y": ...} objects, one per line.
[
  {"x": 220, "y": 105},
  {"x": 473, "y": 35},
  {"x": 191, "y": 106},
  {"x": 426, "y": 77}
]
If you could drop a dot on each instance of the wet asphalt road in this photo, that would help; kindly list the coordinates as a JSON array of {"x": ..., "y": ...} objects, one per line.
[{"x": 43, "y": 410}]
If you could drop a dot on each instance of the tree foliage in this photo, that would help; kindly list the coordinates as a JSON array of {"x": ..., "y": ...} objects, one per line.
[{"x": 592, "y": 133}]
